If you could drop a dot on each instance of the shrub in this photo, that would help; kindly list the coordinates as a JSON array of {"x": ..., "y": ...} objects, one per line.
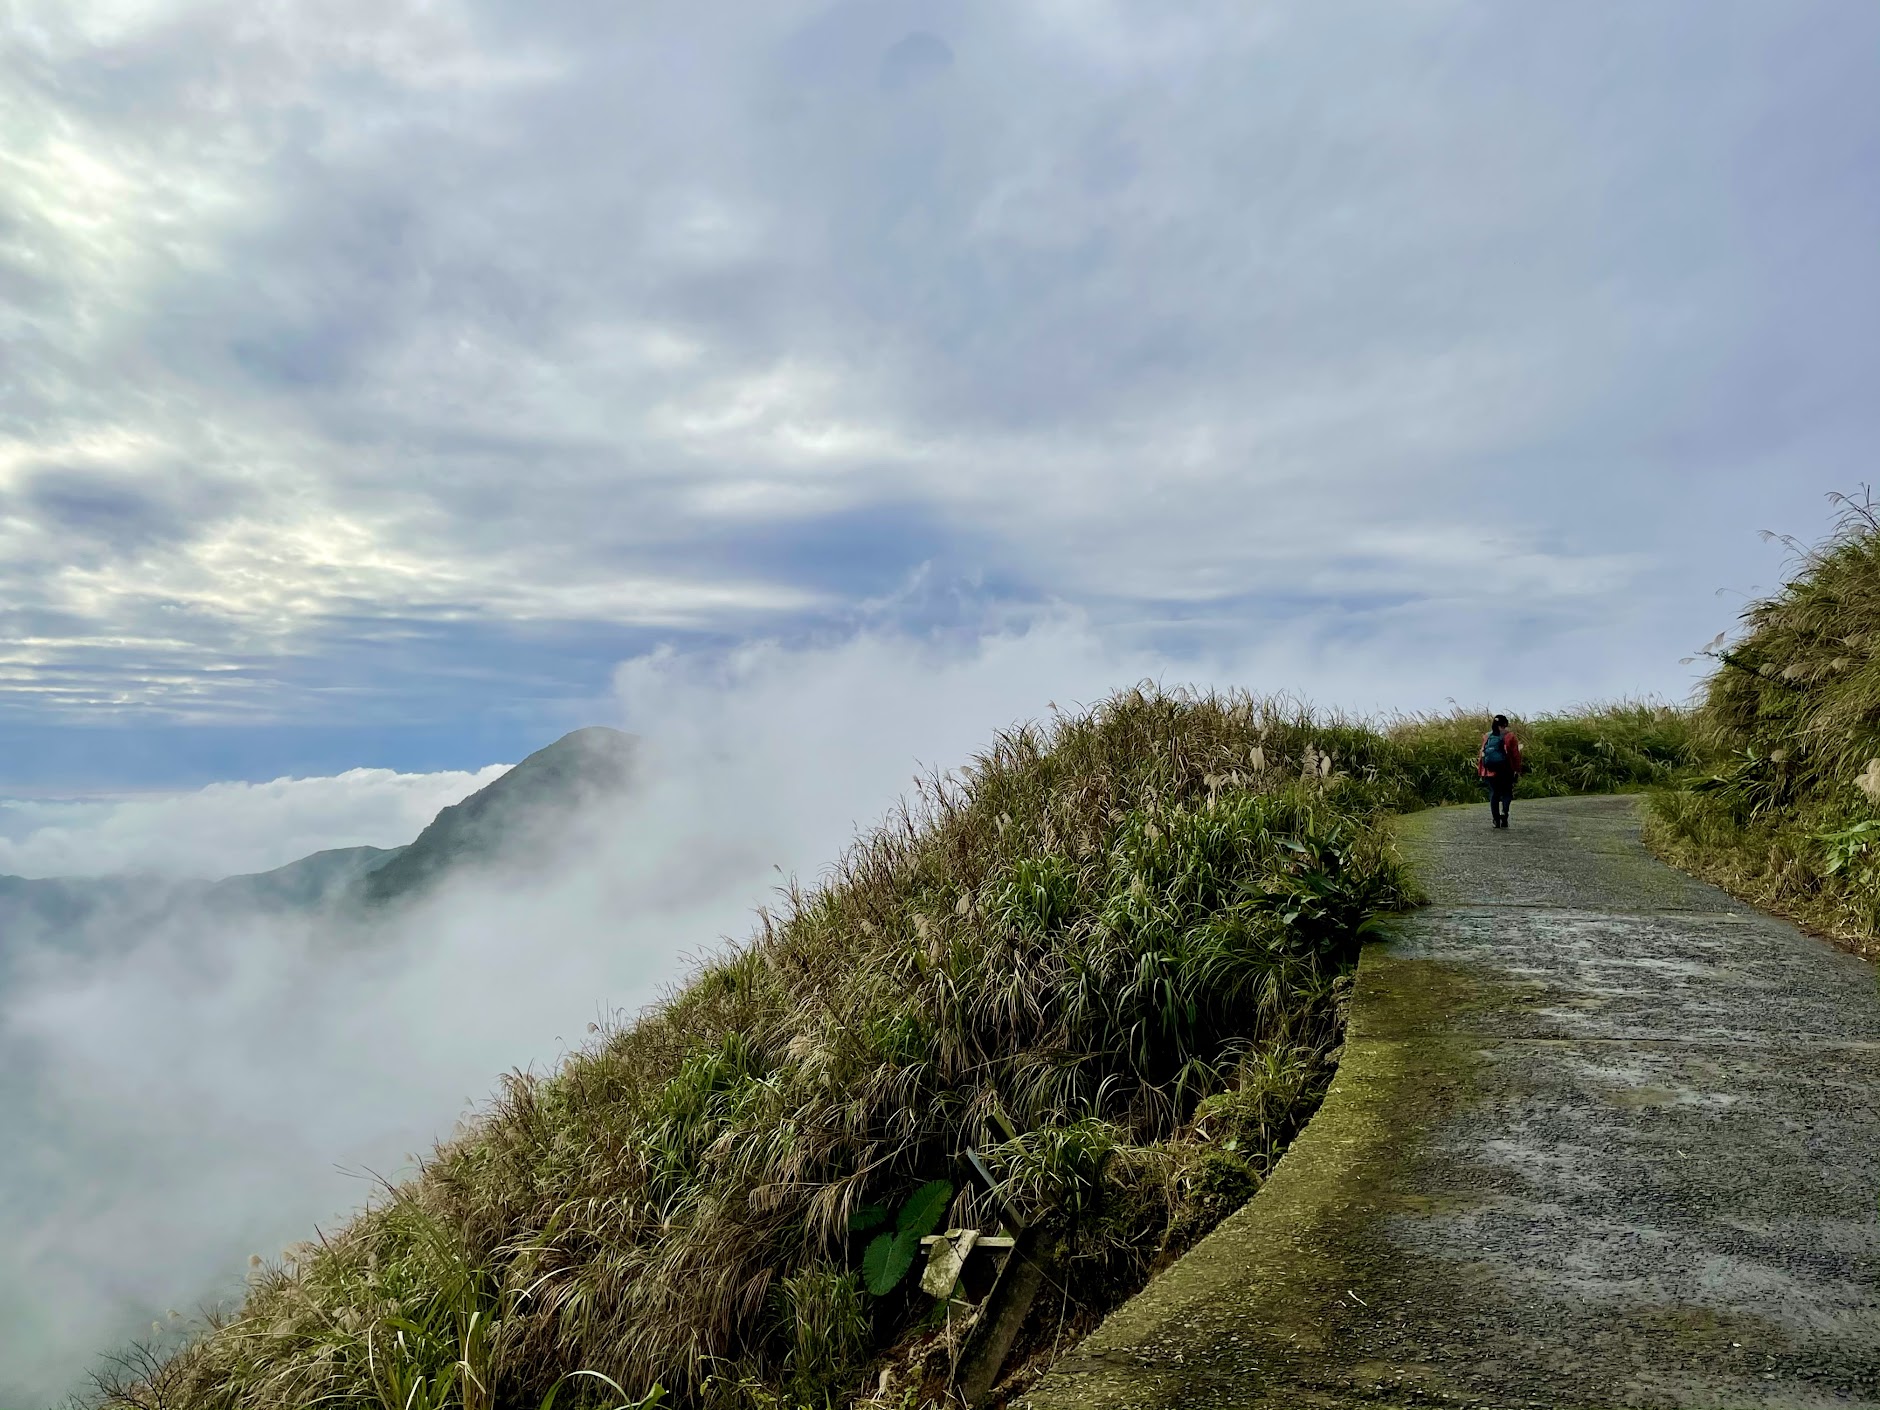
[{"x": 1785, "y": 808}]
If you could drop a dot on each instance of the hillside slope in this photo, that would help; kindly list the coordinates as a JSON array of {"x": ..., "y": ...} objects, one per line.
[
  {"x": 313, "y": 882},
  {"x": 514, "y": 822}
]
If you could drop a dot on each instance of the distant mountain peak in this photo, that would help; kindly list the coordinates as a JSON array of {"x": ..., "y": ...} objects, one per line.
[
  {"x": 515, "y": 821},
  {"x": 520, "y": 820}
]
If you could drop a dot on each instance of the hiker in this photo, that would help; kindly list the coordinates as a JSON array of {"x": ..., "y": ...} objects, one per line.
[{"x": 1499, "y": 764}]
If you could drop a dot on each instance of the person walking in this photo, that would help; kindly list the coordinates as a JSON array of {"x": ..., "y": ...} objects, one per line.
[{"x": 1499, "y": 765}]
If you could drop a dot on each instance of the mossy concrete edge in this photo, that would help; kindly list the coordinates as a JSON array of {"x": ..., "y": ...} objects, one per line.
[{"x": 1245, "y": 1319}]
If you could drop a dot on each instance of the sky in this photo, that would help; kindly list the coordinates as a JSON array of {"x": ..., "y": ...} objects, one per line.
[
  {"x": 389, "y": 386},
  {"x": 379, "y": 378}
]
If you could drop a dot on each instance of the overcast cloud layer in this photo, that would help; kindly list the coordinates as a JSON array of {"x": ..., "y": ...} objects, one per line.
[{"x": 372, "y": 369}]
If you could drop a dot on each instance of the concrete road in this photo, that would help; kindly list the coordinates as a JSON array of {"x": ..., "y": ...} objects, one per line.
[{"x": 1601, "y": 1137}]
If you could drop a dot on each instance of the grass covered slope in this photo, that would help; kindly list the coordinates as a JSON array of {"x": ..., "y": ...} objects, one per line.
[
  {"x": 1789, "y": 815},
  {"x": 1111, "y": 957}
]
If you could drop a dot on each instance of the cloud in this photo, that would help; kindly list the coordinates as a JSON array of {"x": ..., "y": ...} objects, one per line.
[
  {"x": 224, "y": 1084},
  {"x": 227, "y": 829},
  {"x": 917, "y": 58},
  {"x": 451, "y": 324}
]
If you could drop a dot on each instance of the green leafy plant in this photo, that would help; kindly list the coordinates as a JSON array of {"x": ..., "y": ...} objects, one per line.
[
  {"x": 888, "y": 1257},
  {"x": 1848, "y": 851},
  {"x": 1751, "y": 783},
  {"x": 827, "y": 1325},
  {"x": 653, "y": 1398},
  {"x": 1055, "y": 1172}
]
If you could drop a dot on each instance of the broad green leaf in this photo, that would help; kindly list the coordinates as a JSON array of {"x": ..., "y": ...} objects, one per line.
[
  {"x": 924, "y": 1209},
  {"x": 886, "y": 1260}
]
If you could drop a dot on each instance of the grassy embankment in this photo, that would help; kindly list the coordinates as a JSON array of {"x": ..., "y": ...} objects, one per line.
[
  {"x": 1788, "y": 815},
  {"x": 1112, "y": 956}
]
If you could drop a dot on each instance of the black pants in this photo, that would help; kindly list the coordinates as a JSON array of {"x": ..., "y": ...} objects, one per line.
[{"x": 1500, "y": 795}]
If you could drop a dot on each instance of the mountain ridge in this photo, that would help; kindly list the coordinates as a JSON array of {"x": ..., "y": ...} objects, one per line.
[
  {"x": 510, "y": 822},
  {"x": 513, "y": 820}
]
